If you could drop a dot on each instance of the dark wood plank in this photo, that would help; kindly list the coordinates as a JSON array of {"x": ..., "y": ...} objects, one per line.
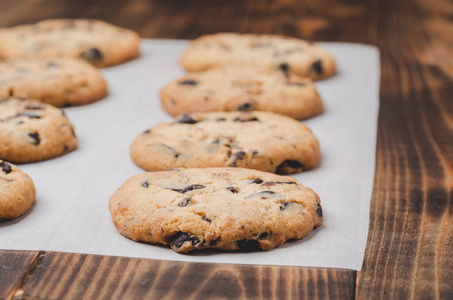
[
  {"x": 14, "y": 265},
  {"x": 411, "y": 234},
  {"x": 75, "y": 276}
]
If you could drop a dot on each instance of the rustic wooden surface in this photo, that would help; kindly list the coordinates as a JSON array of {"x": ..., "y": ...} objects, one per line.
[{"x": 410, "y": 241}]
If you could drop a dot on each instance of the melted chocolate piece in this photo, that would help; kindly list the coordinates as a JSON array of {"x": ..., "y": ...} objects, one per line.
[
  {"x": 28, "y": 115},
  {"x": 263, "y": 236},
  {"x": 284, "y": 67},
  {"x": 184, "y": 202},
  {"x": 186, "y": 119},
  {"x": 237, "y": 156},
  {"x": 257, "y": 181},
  {"x": 206, "y": 219},
  {"x": 189, "y": 188},
  {"x": 290, "y": 166},
  {"x": 35, "y": 137},
  {"x": 233, "y": 189},
  {"x": 251, "y": 119},
  {"x": 188, "y": 82},
  {"x": 6, "y": 167},
  {"x": 248, "y": 245},
  {"x": 92, "y": 55},
  {"x": 178, "y": 240},
  {"x": 244, "y": 107},
  {"x": 316, "y": 67},
  {"x": 285, "y": 205},
  {"x": 318, "y": 210}
]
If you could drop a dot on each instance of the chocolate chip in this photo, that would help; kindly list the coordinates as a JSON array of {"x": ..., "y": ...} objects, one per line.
[
  {"x": 267, "y": 192},
  {"x": 92, "y": 55},
  {"x": 184, "y": 202},
  {"x": 34, "y": 107},
  {"x": 35, "y": 137},
  {"x": 206, "y": 219},
  {"x": 237, "y": 156},
  {"x": 145, "y": 184},
  {"x": 213, "y": 242},
  {"x": 189, "y": 188},
  {"x": 257, "y": 181},
  {"x": 220, "y": 119},
  {"x": 28, "y": 115},
  {"x": 11, "y": 92},
  {"x": 284, "y": 67},
  {"x": 147, "y": 131},
  {"x": 188, "y": 82},
  {"x": 244, "y": 107},
  {"x": 67, "y": 104},
  {"x": 248, "y": 245},
  {"x": 243, "y": 119},
  {"x": 263, "y": 236},
  {"x": 180, "y": 238},
  {"x": 290, "y": 166},
  {"x": 285, "y": 205},
  {"x": 316, "y": 67},
  {"x": 318, "y": 210},
  {"x": 186, "y": 119},
  {"x": 6, "y": 167},
  {"x": 65, "y": 148},
  {"x": 233, "y": 189}
]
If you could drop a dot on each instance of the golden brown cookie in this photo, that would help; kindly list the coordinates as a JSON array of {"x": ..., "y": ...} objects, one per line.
[
  {"x": 32, "y": 131},
  {"x": 219, "y": 208},
  {"x": 242, "y": 88},
  {"x": 60, "y": 82},
  {"x": 17, "y": 191},
  {"x": 288, "y": 54},
  {"x": 99, "y": 43},
  {"x": 256, "y": 140}
]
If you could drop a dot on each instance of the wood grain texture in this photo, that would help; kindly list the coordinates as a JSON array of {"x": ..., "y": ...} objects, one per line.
[
  {"x": 14, "y": 265},
  {"x": 408, "y": 254},
  {"x": 76, "y": 276}
]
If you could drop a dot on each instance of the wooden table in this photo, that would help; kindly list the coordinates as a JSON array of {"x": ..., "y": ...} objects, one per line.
[{"x": 410, "y": 242}]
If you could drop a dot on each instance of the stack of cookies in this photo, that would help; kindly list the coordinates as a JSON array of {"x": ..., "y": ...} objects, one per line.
[
  {"x": 210, "y": 182},
  {"x": 43, "y": 67}
]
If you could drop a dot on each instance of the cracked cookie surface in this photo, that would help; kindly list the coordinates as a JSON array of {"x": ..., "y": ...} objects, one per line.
[
  {"x": 33, "y": 131},
  {"x": 17, "y": 191},
  {"x": 219, "y": 208},
  {"x": 242, "y": 88},
  {"x": 56, "y": 81},
  {"x": 256, "y": 140},
  {"x": 293, "y": 55},
  {"x": 97, "y": 42}
]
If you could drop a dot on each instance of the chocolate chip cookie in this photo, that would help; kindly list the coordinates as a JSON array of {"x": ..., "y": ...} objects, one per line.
[
  {"x": 288, "y": 54},
  {"x": 32, "y": 131},
  {"x": 17, "y": 191},
  {"x": 59, "y": 82},
  {"x": 219, "y": 208},
  {"x": 99, "y": 43},
  {"x": 242, "y": 88},
  {"x": 256, "y": 140}
]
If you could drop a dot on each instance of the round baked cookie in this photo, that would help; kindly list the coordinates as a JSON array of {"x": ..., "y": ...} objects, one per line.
[
  {"x": 32, "y": 131},
  {"x": 99, "y": 43},
  {"x": 60, "y": 82},
  {"x": 294, "y": 55},
  {"x": 17, "y": 191},
  {"x": 242, "y": 88},
  {"x": 220, "y": 208},
  {"x": 255, "y": 140}
]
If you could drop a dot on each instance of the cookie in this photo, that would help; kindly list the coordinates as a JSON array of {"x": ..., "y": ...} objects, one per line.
[
  {"x": 301, "y": 57},
  {"x": 59, "y": 82},
  {"x": 17, "y": 191},
  {"x": 99, "y": 43},
  {"x": 255, "y": 140},
  {"x": 219, "y": 208},
  {"x": 32, "y": 131},
  {"x": 242, "y": 88}
]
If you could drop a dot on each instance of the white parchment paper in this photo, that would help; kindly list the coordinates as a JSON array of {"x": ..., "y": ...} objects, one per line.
[{"x": 71, "y": 211}]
